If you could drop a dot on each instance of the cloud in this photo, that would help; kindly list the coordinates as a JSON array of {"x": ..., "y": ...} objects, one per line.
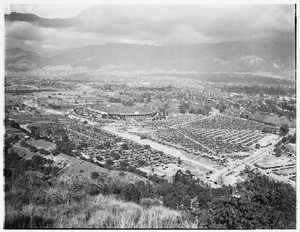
[
  {"x": 24, "y": 31},
  {"x": 157, "y": 24}
]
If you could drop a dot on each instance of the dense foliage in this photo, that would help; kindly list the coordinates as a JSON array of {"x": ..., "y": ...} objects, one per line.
[{"x": 270, "y": 90}]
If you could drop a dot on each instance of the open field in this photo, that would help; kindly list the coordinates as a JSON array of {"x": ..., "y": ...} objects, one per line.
[
  {"x": 270, "y": 162},
  {"x": 286, "y": 171},
  {"x": 39, "y": 144}
]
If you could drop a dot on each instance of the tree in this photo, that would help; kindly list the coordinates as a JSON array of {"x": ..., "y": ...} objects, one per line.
[
  {"x": 148, "y": 99},
  {"x": 55, "y": 152},
  {"x": 109, "y": 162},
  {"x": 141, "y": 162},
  {"x": 23, "y": 143},
  {"x": 125, "y": 146},
  {"x": 183, "y": 107},
  {"x": 284, "y": 129},
  {"x": 94, "y": 175},
  {"x": 277, "y": 152},
  {"x": 99, "y": 158},
  {"x": 33, "y": 149},
  {"x": 147, "y": 146},
  {"x": 124, "y": 164},
  {"x": 38, "y": 160}
]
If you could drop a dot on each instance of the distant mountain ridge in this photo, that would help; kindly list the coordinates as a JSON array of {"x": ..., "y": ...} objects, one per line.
[{"x": 254, "y": 57}]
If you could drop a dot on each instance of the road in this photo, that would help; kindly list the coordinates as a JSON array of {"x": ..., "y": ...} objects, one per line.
[{"x": 230, "y": 174}]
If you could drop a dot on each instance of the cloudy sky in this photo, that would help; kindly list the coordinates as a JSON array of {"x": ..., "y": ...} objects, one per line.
[{"x": 63, "y": 26}]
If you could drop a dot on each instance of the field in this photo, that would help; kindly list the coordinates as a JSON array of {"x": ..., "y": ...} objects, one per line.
[
  {"x": 167, "y": 171},
  {"x": 39, "y": 144},
  {"x": 270, "y": 162},
  {"x": 286, "y": 171}
]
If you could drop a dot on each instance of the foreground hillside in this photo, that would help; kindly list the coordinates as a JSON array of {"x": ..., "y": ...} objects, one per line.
[
  {"x": 37, "y": 197},
  {"x": 92, "y": 212},
  {"x": 41, "y": 197}
]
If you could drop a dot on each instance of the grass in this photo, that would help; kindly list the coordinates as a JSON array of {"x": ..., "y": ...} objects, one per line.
[
  {"x": 28, "y": 217},
  {"x": 42, "y": 144},
  {"x": 93, "y": 212}
]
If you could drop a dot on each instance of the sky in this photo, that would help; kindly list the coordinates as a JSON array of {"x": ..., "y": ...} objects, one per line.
[{"x": 80, "y": 25}]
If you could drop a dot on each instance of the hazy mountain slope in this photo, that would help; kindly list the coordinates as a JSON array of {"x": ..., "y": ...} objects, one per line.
[
  {"x": 17, "y": 59},
  {"x": 271, "y": 58}
]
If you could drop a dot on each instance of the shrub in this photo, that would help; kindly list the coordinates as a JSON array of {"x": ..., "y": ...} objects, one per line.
[
  {"x": 149, "y": 202},
  {"x": 82, "y": 158},
  {"x": 141, "y": 162},
  {"x": 99, "y": 158},
  {"x": 33, "y": 149},
  {"x": 55, "y": 152},
  {"x": 23, "y": 143},
  {"x": 110, "y": 162},
  {"x": 98, "y": 164},
  {"x": 147, "y": 146},
  {"x": 122, "y": 174},
  {"x": 38, "y": 160},
  {"x": 125, "y": 146},
  {"x": 94, "y": 175},
  {"x": 91, "y": 160}
]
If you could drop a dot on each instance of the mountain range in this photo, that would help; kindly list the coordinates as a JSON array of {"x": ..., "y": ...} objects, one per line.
[{"x": 276, "y": 59}]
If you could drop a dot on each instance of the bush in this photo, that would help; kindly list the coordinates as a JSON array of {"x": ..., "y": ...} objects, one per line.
[
  {"x": 23, "y": 143},
  {"x": 95, "y": 175},
  {"x": 82, "y": 158},
  {"x": 147, "y": 146},
  {"x": 33, "y": 149},
  {"x": 110, "y": 162},
  {"x": 98, "y": 164},
  {"x": 149, "y": 202},
  {"x": 99, "y": 158},
  {"x": 55, "y": 152},
  {"x": 141, "y": 162},
  {"x": 122, "y": 174},
  {"x": 125, "y": 146},
  {"x": 38, "y": 160},
  {"x": 91, "y": 160}
]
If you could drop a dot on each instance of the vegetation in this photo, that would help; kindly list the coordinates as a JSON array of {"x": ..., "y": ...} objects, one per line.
[
  {"x": 36, "y": 198},
  {"x": 270, "y": 90},
  {"x": 284, "y": 129}
]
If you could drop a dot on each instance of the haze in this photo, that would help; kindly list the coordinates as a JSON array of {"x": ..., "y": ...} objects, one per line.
[{"x": 82, "y": 25}]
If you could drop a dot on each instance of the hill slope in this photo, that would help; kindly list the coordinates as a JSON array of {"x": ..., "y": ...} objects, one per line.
[
  {"x": 255, "y": 57},
  {"x": 94, "y": 212}
]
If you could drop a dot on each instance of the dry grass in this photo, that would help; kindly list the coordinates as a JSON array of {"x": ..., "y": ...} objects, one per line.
[
  {"x": 107, "y": 212},
  {"x": 93, "y": 212}
]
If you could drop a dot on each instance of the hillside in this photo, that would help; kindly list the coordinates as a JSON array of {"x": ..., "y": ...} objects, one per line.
[
  {"x": 17, "y": 60},
  {"x": 38, "y": 196},
  {"x": 253, "y": 57},
  {"x": 81, "y": 170},
  {"x": 94, "y": 212}
]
